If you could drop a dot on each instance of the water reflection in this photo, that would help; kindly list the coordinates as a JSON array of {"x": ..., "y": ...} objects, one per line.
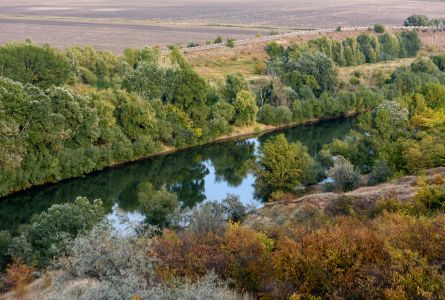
[{"x": 207, "y": 172}]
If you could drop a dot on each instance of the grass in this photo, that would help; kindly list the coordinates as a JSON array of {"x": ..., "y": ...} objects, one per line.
[{"x": 367, "y": 70}]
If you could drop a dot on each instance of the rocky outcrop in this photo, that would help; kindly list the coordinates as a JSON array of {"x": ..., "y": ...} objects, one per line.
[{"x": 365, "y": 198}]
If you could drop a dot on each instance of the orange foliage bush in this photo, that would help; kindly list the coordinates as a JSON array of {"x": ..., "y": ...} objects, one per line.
[
  {"x": 425, "y": 236},
  {"x": 18, "y": 276},
  {"x": 346, "y": 260},
  {"x": 248, "y": 255},
  {"x": 394, "y": 256},
  {"x": 189, "y": 255}
]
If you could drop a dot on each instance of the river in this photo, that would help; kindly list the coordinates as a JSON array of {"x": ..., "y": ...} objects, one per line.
[{"x": 198, "y": 174}]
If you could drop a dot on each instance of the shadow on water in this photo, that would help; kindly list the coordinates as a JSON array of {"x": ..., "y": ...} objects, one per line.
[{"x": 202, "y": 173}]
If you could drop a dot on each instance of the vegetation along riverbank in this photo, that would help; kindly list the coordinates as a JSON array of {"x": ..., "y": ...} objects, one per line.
[
  {"x": 69, "y": 113},
  {"x": 359, "y": 216}
]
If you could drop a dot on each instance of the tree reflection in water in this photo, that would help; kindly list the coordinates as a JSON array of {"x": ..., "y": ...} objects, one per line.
[{"x": 187, "y": 173}]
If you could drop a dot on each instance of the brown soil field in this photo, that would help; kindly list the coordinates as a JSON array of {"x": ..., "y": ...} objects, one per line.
[{"x": 115, "y": 24}]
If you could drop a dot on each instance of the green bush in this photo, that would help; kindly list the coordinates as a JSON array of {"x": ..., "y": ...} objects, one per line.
[
  {"x": 282, "y": 166},
  {"x": 266, "y": 114},
  {"x": 29, "y": 63},
  {"x": 283, "y": 115},
  {"x": 346, "y": 178},
  {"x": 431, "y": 197},
  {"x": 48, "y": 234},
  {"x": 380, "y": 173},
  {"x": 439, "y": 61},
  {"x": 246, "y": 109},
  {"x": 231, "y": 43},
  {"x": 417, "y": 20},
  {"x": 260, "y": 67},
  {"x": 218, "y": 40},
  {"x": 379, "y": 28}
]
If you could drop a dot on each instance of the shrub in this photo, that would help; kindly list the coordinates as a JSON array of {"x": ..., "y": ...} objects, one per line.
[
  {"x": 283, "y": 115},
  {"x": 207, "y": 218},
  {"x": 49, "y": 233},
  {"x": 248, "y": 254},
  {"x": 125, "y": 267},
  {"x": 281, "y": 166},
  {"x": 379, "y": 28},
  {"x": 224, "y": 110},
  {"x": 19, "y": 276},
  {"x": 439, "y": 61},
  {"x": 417, "y": 20},
  {"x": 235, "y": 83},
  {"x": 431, "y": 197},
  {"x": 234, "y": 208},
  {"x": 192, "y": 45},
  {"x": 218, "y": 40},
  {"x": 266, "y": 114},
  {"x": 346, "y": 260},
  {"x": 260, "y": 67},
  {"x": 28, "y": 63},
  {"x": 380, "y": 173},
  {"x": 387, "y": 205},
  {"x": 425, "y": 236},
  {"x": 338, "y": 29},
  {"x": 354, "y": 81},
  {"x": 187, "y": 254},
  {"x": 231, "y": 43},
  {"x": 346, "y": 178},
  {"x": 211, "y": 216},
  {"x": 245, "y": 108},
  {"x": 5, "y": 241},
  {"x": 413, "y": 278},
  {"x": 341, "y": 206}
]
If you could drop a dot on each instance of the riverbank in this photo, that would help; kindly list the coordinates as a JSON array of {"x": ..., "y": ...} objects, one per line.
[{"x": 238, "y": 133}]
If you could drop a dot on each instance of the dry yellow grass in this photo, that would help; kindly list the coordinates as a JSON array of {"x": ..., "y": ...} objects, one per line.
[{"x": 216, "y": 64}]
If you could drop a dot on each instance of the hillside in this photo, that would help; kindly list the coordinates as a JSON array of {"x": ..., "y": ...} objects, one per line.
[
  {"x": 219, "y": 62},
  {"x": 301, "y": 210}
]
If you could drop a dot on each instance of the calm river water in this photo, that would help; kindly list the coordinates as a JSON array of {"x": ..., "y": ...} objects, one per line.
[{"x": 199, "y": 174}]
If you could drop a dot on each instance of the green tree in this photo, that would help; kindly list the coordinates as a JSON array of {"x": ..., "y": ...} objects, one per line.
[
  {"x": 389, "y": 47},
  {"x": 320, "y": 67},
  {"x": 379, "y": 28},
  {"x": 417, "y": 20},
  {"x": 235, "y": 83},
  {"x": 411, "y": 42},
  {"x": 148, "y": 80},
  {"x": 28, "y": 63},
  {"x": 283, "y": 115},
  {"x": 245, "y": 108},
  {"x": 49, "y": 233},
  {"x": 281, "y": 166},
  {"x": 266, "y": 114},
  {"x": 369, "y": 46},
  {"x": 224, "y": 110},
  {"x": 344, "y": 175}
]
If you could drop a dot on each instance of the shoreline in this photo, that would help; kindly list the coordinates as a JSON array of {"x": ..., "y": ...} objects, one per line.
[{"x": 239, "y": 133}]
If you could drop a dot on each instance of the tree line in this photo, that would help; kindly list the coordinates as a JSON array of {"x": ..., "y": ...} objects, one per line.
[{"x": 67, "y": 113}]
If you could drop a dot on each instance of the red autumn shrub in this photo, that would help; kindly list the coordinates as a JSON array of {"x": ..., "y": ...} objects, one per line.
[{"x": 346, "y": 260}]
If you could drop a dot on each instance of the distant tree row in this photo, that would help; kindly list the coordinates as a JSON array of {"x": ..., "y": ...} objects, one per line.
[
  {"x": 422, "y": 20},
  {"x": 366, "y": 48}
]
